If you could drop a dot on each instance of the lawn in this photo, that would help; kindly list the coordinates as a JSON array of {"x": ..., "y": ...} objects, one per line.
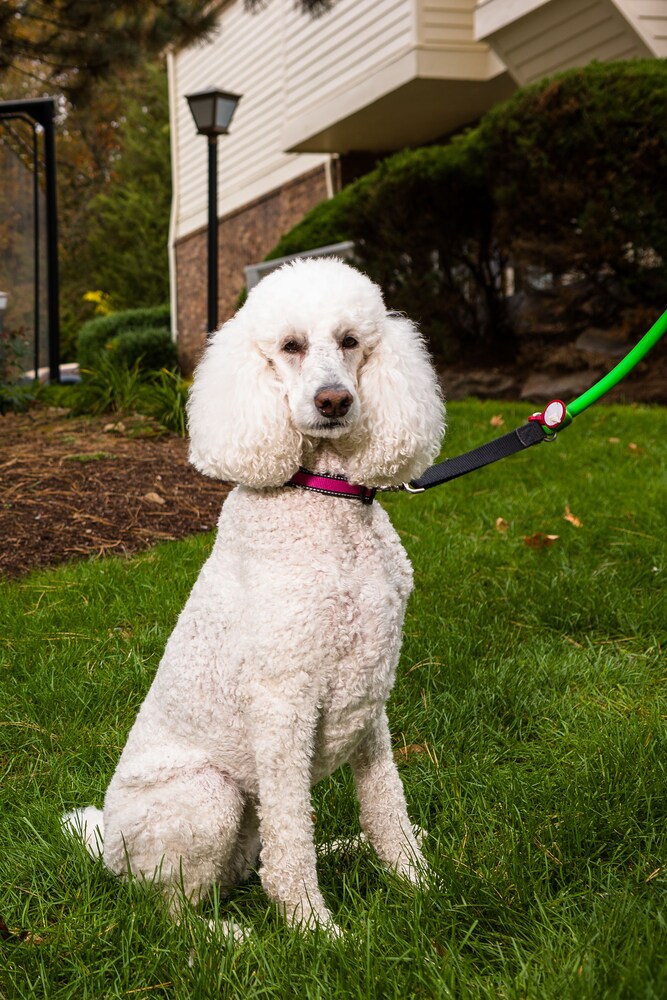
[{"x": 529, "y": 720}]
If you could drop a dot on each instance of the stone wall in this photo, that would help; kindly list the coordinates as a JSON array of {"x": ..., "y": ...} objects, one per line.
[{"x": 244, "y": 237}]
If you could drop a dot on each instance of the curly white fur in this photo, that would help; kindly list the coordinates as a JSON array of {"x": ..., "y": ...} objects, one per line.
[{"x": 281, "y": 662}]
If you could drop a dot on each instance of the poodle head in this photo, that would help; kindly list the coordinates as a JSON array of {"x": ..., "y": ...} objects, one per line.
[{"x": 314, "y": 358}]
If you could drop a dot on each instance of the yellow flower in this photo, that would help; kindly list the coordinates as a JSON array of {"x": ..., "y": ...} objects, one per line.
[{"x": 101, "y": 300}]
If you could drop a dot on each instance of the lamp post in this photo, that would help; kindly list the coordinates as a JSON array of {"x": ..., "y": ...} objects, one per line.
[{"x": 212, "y": 111}]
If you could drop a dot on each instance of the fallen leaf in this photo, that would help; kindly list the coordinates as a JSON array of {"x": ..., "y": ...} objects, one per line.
[
  {"x": 540, "y": 541},
  {"x": 614, "y": 440},
  {"x": 116, "y": 428},
  {"x": 154, "y": 498},
  {"x": 569, "y": 516},
  {"x": 497, "y": 421},
  {"x": 502, "y": 525},
  {"x": 10, "y": 933}
]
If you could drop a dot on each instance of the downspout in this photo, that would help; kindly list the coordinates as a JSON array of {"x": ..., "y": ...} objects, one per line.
[
  {"x": 332, "y": 175},
  {"x": 173, "y": 216}
]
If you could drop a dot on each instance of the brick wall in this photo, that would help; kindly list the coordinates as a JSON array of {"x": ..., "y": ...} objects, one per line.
[{"x": 244, "y": 237}]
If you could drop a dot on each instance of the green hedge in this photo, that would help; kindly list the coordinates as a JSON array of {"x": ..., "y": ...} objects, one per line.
[
  {"x": 565, "y": 182},
  {"x": 128, "y": 335},
  {"x": 151, "y": 349}
]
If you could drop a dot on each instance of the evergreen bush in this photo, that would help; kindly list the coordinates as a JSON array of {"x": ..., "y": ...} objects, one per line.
[
  {"x": 577, "y": 165},
  {"x": 564, "y": 183},
  {"x": 98, "y": 333},
  {"x": 150, "y": 349}
]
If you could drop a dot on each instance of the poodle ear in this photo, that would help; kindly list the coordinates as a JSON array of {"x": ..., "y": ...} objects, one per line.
[
  {"x": 238, "y": 417},
  {"x": 403, "y": 414}
]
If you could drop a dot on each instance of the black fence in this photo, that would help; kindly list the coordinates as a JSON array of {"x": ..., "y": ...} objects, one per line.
[{"x": 29, "y": 314}]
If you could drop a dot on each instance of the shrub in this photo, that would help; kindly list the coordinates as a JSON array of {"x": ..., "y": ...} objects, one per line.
[
  {"x": 564, "y": 181},
  {"x": 578, "y": 165},
  {"x": 164, "y": 398},
  {"x": 150, "y": 349},
  {"x": 115, "y": 387},
  {"x": 96, "y": 334},
  {"x": 15, "y": 398},
  {"x": 108, "y": 387}
]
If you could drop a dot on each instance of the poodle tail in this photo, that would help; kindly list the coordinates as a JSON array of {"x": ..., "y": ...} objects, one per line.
[{"x": 87, "y": 825}]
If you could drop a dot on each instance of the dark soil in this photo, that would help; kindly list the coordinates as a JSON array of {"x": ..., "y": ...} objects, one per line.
[{"x": 74, "y": 488}]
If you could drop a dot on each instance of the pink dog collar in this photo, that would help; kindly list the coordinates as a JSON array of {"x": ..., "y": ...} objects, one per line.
[{"x": 333, "y": 486}]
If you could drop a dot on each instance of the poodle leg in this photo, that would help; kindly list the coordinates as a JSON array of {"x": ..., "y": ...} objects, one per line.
[
  {"x": 180, "y": 832},
  {"x": 288, "y": 859},
  {"x": 384, "y": 814},
  {"x": 245, "y": 859}
]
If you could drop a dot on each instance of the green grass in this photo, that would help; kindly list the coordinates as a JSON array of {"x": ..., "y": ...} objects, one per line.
[{"x": 531, "y": 697}]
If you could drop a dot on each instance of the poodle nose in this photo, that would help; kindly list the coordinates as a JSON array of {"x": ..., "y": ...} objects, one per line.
[{"x": 333, "y": 402}]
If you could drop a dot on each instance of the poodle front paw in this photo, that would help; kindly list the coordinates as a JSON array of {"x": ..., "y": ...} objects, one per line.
[
  {"x": 411, "y": 864},
  {"x": 303, "y": 916}
]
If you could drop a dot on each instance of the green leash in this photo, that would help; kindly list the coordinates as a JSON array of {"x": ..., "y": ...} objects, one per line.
[
  {"x": 541, "y": 426},
  {"x": 617, "y": 374}
]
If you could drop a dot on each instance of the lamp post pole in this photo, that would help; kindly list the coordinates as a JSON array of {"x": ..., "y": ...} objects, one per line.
[
  {"x": 212, "y": 111},
  {"x": 212, "y": 323}
]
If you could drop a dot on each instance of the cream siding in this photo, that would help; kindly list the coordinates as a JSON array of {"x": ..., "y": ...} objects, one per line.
[
  {"x": 386, "y": 60},
  {"x": 329, "y": 55},
  {"x": 299, "y": 77},
  {"x": 649, "y": 18},
  {"x": 448, "y": 23},
  {"x": 245, "y": 56},
  {"x": 538, "y": 37}
]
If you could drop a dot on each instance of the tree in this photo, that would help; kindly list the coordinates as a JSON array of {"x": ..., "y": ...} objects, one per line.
[
  {"x": 104, "y": 59},
  {"x": 312, "y": 7},
  {"x": 129, "y": 217},
  {"x": 72, "y": 45}
]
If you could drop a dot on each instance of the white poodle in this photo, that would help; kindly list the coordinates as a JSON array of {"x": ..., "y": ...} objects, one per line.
[{"x": 281, "y": 662}]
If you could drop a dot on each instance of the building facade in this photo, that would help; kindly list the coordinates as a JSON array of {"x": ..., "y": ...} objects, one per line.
[{"x": 323, "y": 99}]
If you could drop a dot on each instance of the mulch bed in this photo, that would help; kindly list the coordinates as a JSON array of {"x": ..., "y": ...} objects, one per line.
[{"x": 72, "y": 488}]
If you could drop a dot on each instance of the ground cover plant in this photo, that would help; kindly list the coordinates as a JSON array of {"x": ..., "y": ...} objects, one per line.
[{"x": 528, "y": 720}]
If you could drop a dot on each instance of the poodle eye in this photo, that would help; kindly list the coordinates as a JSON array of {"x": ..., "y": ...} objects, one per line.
[
  {"x": 349, "y": 342},
  {"x": 293, "y": 347}
]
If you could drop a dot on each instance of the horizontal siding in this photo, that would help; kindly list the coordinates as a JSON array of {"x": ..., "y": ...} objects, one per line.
[
  {"x": 330, "y": 54},
  {"x": 246, "y": 56},
  {"x": 565, "y": 34},
  {"x": 650, "y": 19},
  {"x": 448, "y": 22}
]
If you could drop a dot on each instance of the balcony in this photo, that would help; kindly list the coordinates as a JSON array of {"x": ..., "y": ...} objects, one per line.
[
  {"x": 535, "y": 38},
  {"x": 380, "y": 76}
]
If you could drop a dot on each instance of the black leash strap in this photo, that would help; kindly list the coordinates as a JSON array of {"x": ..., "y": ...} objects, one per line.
[{"x": 523, "y": 437}]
